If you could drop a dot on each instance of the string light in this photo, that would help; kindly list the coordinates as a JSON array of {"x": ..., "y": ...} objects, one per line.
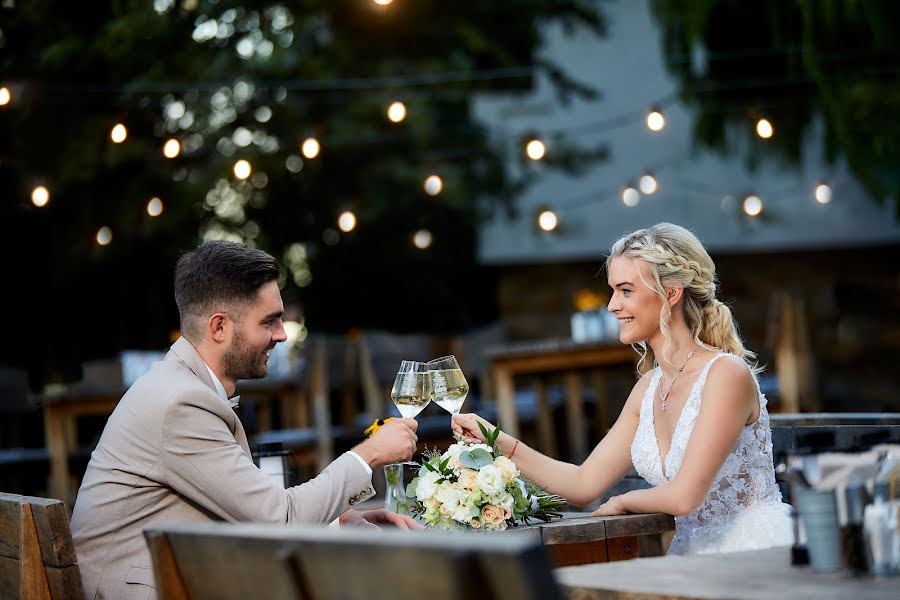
[
  {"x": 630, "y": 197},
  {"x": 753, "y": 206},
  {"x": 40, "y": 196},
  {"x": 823, "y": 193},
  {"x": 172, "y": 148},
  {"x": 535, "y": 149},
  {"x": 422, "y": 239},
  {"x": 648, "y": 184},
  {"x": 118, "y": 133},
  {"x": 764, "y": 129},
  {"x": 433, "y": 185},
  {"x": 396, "y": 111},
  {"x": 104, "y": 236},
  {"x": 347, "y": 221},
  {"x": 310, "y": 147},
  {"x": 382, "y": 2},
  {"x": 4, "y": 96},
  {"x": 154, "y": 207},
  {"x": 655, "y": 120},
  {"x": 548, "y": 220},
  {"x": 242, "y": 169}
]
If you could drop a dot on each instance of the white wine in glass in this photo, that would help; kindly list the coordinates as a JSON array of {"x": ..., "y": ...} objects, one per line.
[
  {"x": 449, "y": 387},
  {"x": 412, "y": 388}
]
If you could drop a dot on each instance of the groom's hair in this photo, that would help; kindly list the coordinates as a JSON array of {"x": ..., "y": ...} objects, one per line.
[{"x": 219, "y": 276}]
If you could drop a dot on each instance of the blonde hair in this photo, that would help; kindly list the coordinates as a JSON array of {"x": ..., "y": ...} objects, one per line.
[{"x": 676, "y": 257}]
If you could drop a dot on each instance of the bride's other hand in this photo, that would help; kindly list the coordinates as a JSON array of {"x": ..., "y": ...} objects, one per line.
[
  {"x": 613, "y": 506},
  {"x": 466, "y": 427}
]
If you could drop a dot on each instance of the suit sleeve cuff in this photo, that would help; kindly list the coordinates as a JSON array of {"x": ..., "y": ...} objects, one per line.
[{"x": 361, "y": 461}]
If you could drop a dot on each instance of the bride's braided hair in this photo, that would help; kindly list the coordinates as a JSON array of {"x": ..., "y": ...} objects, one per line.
[{"x": 676, "y": 257}]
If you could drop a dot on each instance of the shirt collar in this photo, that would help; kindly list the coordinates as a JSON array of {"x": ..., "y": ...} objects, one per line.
[{"x": 220, "y": 389}]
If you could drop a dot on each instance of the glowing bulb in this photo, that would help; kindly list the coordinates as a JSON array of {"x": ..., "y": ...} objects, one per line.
[
  {"x": 40, "y": 196},
  {"x": 382, "y": 2},
  {"x": 396, "y": 112},
  {"x": 347, "y": 221},
  {"x": 310, "y": 147},
  {"x": 104, "y": 236},
  {"x": 4, "y": 96},
  {"x": 154, "y": 207},
  {"x": 118, "y": 133},
  {"x": 753, "y": 206},
  {"x": 242, "y": 169},
  {"x": 764, "y": 129},
  {"x": 535, "y": 150},
  {"x": 630, "y": 197},
  {"x": 648, "y": 184},
  {"x": 823, "y": 193},
  {"x": 548, "y": 220},
  {"x": 172, "y": 148},
  {"x": 655, "y": 120},
  {"x": 422, "y": 239},
  {"x": 433, "y": 185}
]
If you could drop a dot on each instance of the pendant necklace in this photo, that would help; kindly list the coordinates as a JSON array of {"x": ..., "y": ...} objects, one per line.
[{"x": 671, "y": 385}]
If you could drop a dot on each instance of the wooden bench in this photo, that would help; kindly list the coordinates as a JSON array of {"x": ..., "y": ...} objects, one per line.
[
  {"x": 228, "y": 561},
  {"x": 37, "y": 555}
]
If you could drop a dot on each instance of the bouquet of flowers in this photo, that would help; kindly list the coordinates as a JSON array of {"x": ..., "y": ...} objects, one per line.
[{"x": 474, "y": 486}]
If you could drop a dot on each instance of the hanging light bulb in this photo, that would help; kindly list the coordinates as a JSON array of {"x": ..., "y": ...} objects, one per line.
[
  {"x": 655, "y": 120},
  {"x": 382, "y": 2},
  {"x": 347, "y": 221},
  {"x": 648, "y": 184},
  {"x": 823, "y": 193},
  {"x": 547, "y": 220},
  {"x": 172, "y": 148},
  {"x": 154, "y": 207},
  {"x": 396, "y": 111},
  {"x": 4, "y": 96},
  {"x": 118, "y": 133},
  {"x": 753, "y": 206},
  {"x": 535, "y": 149},
  {"x": 630, "y": 197},
  {"x": 764, "y": 129},
  {"x": 40, "y": 196},
  {"x": 422, "y": 239},
  {"x": 433, "y": 185},
  {"x": 242, "y": 169},
  {"x": 310, "y": 147},
  {"x": 104, "y": 236}
]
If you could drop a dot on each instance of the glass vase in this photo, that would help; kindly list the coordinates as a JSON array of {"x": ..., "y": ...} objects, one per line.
[{"x": 395, "y": 490}]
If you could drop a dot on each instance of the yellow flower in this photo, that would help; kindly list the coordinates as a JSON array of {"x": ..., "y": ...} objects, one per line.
[{"x": 375, "y": 426}]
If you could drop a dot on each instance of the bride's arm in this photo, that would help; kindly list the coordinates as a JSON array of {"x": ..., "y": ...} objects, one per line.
[
  {"x": 729, "y": 401},
  {"x": 606, "y": 465}
]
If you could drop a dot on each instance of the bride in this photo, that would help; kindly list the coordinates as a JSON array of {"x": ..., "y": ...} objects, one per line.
[{"x": 695, "y": 425}]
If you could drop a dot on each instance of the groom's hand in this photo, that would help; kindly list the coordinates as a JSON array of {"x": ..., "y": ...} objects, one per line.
[
  {"x": 372, "y": 518},
  {"x": 394, "y": 442}
]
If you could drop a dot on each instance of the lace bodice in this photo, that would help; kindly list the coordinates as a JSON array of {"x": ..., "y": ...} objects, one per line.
[{"x": 745, "y": 481}]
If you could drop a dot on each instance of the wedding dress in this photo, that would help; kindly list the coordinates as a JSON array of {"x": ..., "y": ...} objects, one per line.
[{"x": 743, "y": 509}]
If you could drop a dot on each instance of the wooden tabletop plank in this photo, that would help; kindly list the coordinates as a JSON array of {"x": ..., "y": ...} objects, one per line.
[{"x": 754, "y": 575}]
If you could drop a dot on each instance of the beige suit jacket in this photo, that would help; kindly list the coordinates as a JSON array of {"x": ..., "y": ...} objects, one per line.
[{"x": 174, "y": 450}]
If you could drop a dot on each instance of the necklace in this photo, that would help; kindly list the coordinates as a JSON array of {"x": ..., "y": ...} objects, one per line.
[{"x": 671, "y": 385}]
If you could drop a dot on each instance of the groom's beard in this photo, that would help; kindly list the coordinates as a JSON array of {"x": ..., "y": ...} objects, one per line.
[{"x": 244, "y": 362}]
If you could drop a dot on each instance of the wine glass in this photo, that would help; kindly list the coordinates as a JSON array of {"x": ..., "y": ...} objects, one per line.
[
  {"x": 412, "y": 390},
  {"x": 449, "y": 387}
]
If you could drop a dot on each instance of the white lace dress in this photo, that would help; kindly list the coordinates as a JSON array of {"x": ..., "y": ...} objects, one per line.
[{"x": 743, "y": 509}]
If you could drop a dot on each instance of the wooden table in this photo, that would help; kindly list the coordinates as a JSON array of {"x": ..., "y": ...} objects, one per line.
[
  {"x": 543, "y": 358},
  {"x": 62, "y": 410},
  {"x": 580, "y": 539},
  {"x": 754, "y": 575}
]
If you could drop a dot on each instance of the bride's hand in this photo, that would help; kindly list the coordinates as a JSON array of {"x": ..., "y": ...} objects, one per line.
[
  {"x": 466, "y": 427},
  {"x": 613, "y": 506}
]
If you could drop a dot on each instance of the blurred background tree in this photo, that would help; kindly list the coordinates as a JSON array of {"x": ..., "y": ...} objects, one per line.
[
  {"x": 249, "y": 80},
  {"x": 799, "y": 64}
]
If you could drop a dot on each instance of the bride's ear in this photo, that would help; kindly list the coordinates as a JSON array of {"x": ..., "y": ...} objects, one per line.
[{"x": 674, "y": 294}]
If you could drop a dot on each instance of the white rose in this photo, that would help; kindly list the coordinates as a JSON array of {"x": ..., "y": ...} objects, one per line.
[
  {"x": 490, "y": 481},
  {"x": 427, "y": 485},
  {"x": 448, "y": 494},
  {"x": 507, "y": 468}
]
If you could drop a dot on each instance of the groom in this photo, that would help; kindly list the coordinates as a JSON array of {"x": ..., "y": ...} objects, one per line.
[{"x": 174, "y": 449}]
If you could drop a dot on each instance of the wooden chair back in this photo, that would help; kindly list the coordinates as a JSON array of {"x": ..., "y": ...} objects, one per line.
[
  {"x": 227, "y": 561},
  {"x": 37, "y": 555}
]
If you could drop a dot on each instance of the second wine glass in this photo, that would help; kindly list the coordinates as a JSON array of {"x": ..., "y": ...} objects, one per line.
[{"x": 449, "y": 387}]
